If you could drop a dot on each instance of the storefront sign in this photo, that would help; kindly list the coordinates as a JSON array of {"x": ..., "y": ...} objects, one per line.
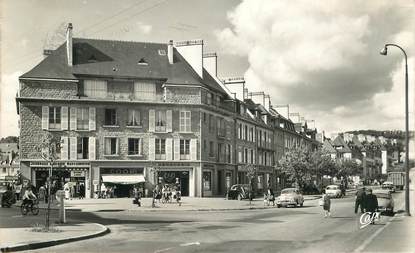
[
  {"x": 75, "y": 173},
  {"x": 122, "y": 170}
]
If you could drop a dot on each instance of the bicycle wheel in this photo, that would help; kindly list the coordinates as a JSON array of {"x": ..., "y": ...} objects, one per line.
[
  {"x": 23, "y": 209},
  {"x": 35, "y": 209}
]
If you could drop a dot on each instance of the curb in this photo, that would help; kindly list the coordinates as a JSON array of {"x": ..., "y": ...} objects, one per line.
[{"x": 38, "y": 245}]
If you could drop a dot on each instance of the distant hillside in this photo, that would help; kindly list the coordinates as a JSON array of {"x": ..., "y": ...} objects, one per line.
[{"x": 391, "y": 134}]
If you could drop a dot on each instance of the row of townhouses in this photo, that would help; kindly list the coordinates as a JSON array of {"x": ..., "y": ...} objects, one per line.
[
  {"x": 137, "y": 112},
  {"x": 377, "y": 155}
]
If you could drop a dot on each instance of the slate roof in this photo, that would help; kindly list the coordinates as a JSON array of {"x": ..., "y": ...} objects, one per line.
[
  {"x": 107, "y": 58},
  {"x": 328, "y": 147},
  {"x": 340, "y": 142}
]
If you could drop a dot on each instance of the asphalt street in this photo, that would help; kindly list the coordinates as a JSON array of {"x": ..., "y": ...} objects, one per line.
[{"x": 271, "y": 230}]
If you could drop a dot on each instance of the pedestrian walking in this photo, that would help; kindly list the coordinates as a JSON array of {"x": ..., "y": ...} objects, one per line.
[
  {"x": 370, "y": 202},
  {"x": 137, "y": 196},
  {"x": 360, "y": 195},
  {"x": 326, "y": 204}
]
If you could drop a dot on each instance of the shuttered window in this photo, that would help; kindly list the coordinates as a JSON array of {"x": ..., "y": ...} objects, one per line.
[
  {"x": 110, "y": 117},
  {"x": 184, "y": 149},
  {"x": 55, "y": 117},
  {"x": 134, "y": 118},
  {"x": 134, "y": 146},
  {"x": 160, "y": 149},
  {"x": 82, "y": 119},
  {"x": 185, "y": 121},
  {"x": 83, "y": 147},
  {"x": 111, "y": 146}
]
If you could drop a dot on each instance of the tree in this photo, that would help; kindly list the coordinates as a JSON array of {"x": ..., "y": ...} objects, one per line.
[
  {"x": 296, "y": 166},
  {"x": 322, "y": 165},
  {"x": 48, "y": 150},
  {"x": 251, "y": 172},
  {"x": 348, "y": 167}
]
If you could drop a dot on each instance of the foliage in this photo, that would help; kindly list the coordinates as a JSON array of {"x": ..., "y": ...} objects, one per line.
[
  {"x": 296, "y": 165},
  {"x": 49, "y": 147},
  {"x": 346, "y": 167},
  {"x": 322, "y": 164},
  {"x": 9, "y": 139},
  {"x": 251, "y": 172}
]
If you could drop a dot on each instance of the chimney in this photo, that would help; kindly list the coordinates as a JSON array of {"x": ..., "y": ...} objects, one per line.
[
  {"x": 69, "y": 51},
  {"x": 236, "y": 85},
  {"x": 210, "y": 63},
  {"x": 192, "y": 52},
  {"x": 170, "y": 51}
]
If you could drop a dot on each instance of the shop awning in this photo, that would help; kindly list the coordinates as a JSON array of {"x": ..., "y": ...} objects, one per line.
[{"x": 123, "y": 178}]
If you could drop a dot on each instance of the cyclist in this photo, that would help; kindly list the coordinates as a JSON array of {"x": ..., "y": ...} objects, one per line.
[{"x": 28, "y": 197}]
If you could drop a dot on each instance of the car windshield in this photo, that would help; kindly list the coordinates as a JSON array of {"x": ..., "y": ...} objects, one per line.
[{"x": 288, "y": 191}]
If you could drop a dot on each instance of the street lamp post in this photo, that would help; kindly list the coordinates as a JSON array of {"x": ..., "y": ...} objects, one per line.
[{"x": 384, "y": 51}]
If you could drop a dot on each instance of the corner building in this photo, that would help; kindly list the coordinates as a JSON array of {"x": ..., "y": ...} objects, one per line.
[{"x": 128, "y": 113}]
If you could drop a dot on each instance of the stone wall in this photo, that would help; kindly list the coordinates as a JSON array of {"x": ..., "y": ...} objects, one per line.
[
  {"x": 44, "y": 89},
  {"x": 184, "y": 95}
]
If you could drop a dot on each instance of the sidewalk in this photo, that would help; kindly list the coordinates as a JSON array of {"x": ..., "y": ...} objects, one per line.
[
  {"x": 188, "y": 204},
  {"x": 16, "y": 239}
]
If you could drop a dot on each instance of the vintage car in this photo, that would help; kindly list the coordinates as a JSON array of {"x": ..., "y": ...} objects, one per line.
[
  {"x": 388, "y": 186},
  {"x": 290, "y": 197},
  {"x": 239, "y": 192},
  {"x": 385, "y": 200},
  {"x": 334, "y": 191}
]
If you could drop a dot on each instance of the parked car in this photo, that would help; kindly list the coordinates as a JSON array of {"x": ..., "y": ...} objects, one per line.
[
  {"x": 290, "y": 197},
  {"x": 334, "y": 191},
  {"x": 388, "y": 186},
  {"x": 239, "y": 192},
  {"x": 385, "y": 201}
]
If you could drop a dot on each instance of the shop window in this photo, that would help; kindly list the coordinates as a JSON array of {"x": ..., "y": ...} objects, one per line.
[
  {"x": 55, "y": 117},
  {"x": 134, "y": 146},
  {"x": 82, "y": 147},
  {"x": 110, "y": 117},
  {"x": 207, "y": 180},
  {"x": 82, "y": 119},
  {"x": 185, "y": 121},
  {"x": 111, "y": 146},
  {"x": 134, "y": 118},
  {"x": 184, "y": 149},
  {"x": 160, "y": 149}
]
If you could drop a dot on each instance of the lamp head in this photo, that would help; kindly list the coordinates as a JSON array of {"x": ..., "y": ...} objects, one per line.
[{"x": 384, "y": 51}]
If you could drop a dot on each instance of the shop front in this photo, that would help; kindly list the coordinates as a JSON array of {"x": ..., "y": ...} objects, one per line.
[
  {"x": 175, "y": 178},
  {"x": 120, "y": 182},
  {"x": 71, "y": 175}
]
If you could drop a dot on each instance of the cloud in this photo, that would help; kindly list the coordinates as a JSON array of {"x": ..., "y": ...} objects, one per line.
[
  {"x": 9, "y": 118},
  {"x": 322, "y": 57},
  {"x": 144, "y": 28}
]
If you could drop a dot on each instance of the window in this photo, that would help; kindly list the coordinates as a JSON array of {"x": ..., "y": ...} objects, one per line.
[
  {"x": 204, "y": 145},
  {"x": 185, "y": 123},
  {"x": 82, "y": 149},
  {"x": 228, "y": 153},
  {"x": 110, "y": 117},
  {"x": 160, "y": 149},
  {"x": 145, "y": 91},
  {"x": 240, "y": 131},
  {"x": 120, "y": 89},
  {"x": 211, "y": 123},
  {"x": 207, "y": 180},
  {"x": 221, "y": 127},
  {"x": 111, "y": 146},
  {"x": 204, "y": 117},
  {"x": 184, "y": 149},
  {"x": 220, "y": 155},
  {"x": 218, "y": 100},
  {"x": 95, "y": 88},
  {"x": 54, "y": 117},
  {"x": 134, "y": 118},
  {"x": 211, "y": 149},
  {"x": 240, "y": 160},
  {"x": 251, "y": 134},
  {"x": 82, "y": 118},
  {"x": 134, "y": 146},
  {"x": 246, "y": 132},
  {"x": 161, "y": 121},
  {"x": 246, "y": 155},
  {"x": 209, "y": 98}
]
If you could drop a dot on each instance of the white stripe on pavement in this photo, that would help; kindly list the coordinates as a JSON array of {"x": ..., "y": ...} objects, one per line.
[{"x": 189, "y": 244}]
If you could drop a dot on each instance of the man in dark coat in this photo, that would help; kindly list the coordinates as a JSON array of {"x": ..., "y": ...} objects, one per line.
[
  {"x": 360, "y": 195},
  {"x": 370, "y": 202}
]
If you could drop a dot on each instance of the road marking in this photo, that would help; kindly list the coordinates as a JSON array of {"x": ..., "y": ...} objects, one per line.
[
  {"x": 374, "y": 235},
  {"x": 162, "y": 250},
  {"x": 189, "y": 244}
]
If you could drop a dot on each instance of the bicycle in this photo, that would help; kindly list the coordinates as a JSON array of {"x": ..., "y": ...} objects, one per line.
[{"x": 32, "y": 207}]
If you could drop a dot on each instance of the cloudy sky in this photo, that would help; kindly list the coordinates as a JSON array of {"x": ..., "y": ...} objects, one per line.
[{"x": 321, "y": 57}]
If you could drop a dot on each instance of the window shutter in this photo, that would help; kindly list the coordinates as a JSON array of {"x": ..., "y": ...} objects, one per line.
[
  {"x": 169, "y": 149},
  {"x": 64, "y": 148},
  {"x": 193, "y": 149},
  {"x": 169, "y": 120},
  {"x": 73, "y": 148},
  {"x": 151, "y": 148},
  {"x": 45, "y": 117},
  {"x": 176, "y": 149},
  {"x": 64, "y": 118},
  {"x": 72, "y": 118},
  {"x": 151, "y": 120},
  {"x": 92, "y": 119},
  {"x": 189, "y": 126},
  {"x": 91, "y": 148}
]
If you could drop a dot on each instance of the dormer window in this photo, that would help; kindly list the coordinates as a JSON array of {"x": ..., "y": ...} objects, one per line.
[{"x": 142, "y": 61}]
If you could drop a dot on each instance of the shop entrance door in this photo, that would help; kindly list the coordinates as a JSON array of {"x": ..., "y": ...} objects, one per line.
[{"x": 176, "y": 177}]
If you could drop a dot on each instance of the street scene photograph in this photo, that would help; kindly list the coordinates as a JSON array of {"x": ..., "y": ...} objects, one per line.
[{"x": 158, "y": 126}]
